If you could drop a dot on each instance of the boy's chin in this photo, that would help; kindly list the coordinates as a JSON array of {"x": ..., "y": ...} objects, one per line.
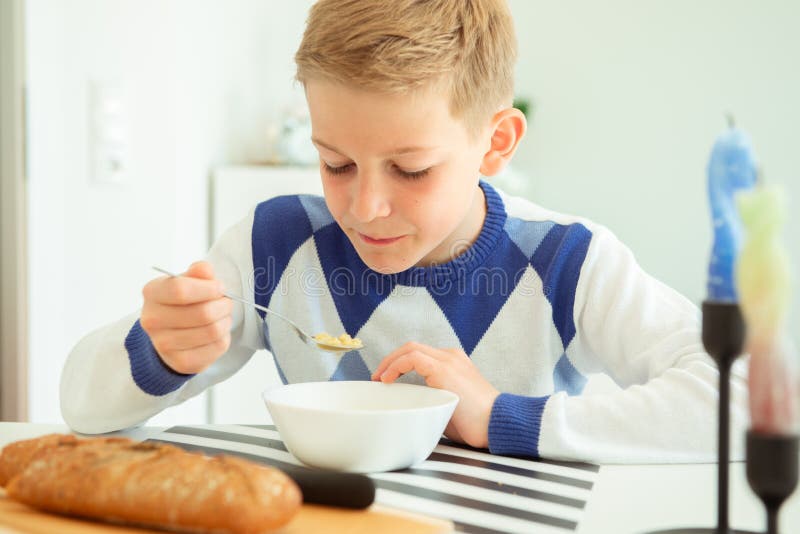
[
  {"x": 387, "y": 266},
  {"x": 387, "y": 269}
]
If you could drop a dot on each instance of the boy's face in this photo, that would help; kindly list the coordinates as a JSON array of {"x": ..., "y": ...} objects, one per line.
[{"x": 400, "y": 174}]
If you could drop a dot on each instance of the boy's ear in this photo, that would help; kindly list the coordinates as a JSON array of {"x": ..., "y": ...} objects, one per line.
[{"x": 508, "y": 127}]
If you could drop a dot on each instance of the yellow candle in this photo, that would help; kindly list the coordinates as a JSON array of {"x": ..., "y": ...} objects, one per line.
[
  {"x": 762, "y": 272},
  {"x": 764, "y": 286}
]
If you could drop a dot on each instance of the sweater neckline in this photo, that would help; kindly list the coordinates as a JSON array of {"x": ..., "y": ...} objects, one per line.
[{"x": 470, "y": 259}]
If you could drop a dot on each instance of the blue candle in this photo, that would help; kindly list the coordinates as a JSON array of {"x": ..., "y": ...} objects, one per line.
[{"x": 731, "y": 168}]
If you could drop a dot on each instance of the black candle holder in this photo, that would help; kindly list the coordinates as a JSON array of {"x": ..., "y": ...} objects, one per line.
[
  {"x": 723, "y": 339},
  {"x": 772, "y": 463}
]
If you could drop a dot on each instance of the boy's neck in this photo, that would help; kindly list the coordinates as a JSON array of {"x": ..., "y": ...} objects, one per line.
[{"x": 465, "y": 235}]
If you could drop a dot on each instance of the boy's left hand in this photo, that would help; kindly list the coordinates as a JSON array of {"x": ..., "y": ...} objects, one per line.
[{"x": 449, "y": 369}]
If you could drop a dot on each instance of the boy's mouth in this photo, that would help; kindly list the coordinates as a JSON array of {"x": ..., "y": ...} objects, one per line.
[{"x": 379, "y": 240}]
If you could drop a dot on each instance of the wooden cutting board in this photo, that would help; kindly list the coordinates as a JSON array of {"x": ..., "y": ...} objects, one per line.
[{"x": 16, "y": 518}]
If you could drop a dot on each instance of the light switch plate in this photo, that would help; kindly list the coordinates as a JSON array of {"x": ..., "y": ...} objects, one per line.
[{"x": 108, "y": 132}]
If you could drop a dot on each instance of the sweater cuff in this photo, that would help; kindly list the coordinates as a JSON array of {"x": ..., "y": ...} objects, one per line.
[
  {"x": 149, "y": 371},
  {"x": 514, "y": 425}
]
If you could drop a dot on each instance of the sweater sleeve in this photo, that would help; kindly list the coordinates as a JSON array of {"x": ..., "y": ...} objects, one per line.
[
  {"x": 114, "y": 378},
  {"x": 646, "y": 338}
]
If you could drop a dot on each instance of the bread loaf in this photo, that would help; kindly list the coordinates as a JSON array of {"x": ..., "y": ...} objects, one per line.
[
  {"x": 17, "y": 455},
  {"x": 119, "y": 480}
]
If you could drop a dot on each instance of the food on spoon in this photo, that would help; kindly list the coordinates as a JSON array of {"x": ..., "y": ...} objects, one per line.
[
  {"x": 120, "y": 480},
  {"x": 344, "y": 341}
]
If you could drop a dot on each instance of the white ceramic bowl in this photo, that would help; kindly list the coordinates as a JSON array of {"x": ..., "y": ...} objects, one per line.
[{"x": 360, "y": 426}]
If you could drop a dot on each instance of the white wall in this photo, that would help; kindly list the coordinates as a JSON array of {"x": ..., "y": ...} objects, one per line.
[
  {"x": 629, "y": 96},
  {"x": 234, "y": 73},
  {"x": 202, "y": 82},
  {"x": 89, "y": 248}
]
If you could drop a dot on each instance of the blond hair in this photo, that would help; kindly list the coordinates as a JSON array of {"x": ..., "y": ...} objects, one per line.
[{"x": 406, "y": 45}]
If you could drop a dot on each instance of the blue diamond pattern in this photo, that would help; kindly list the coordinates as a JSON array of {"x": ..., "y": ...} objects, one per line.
[
  {"x": 280, "y": 371},
  {"x": 472, "y": 302},
  {"x": 356, "y": 289},
  {"x": 317, "y": 211},
  {"x": 351, "y": 367},
  {"x": 286, "y": 215},
  {"x": 528, "y": 235},
  {"x": 265, "y": 333},
  {"x": 558, "y": 261},
  {"x": 567, "y": 378}
]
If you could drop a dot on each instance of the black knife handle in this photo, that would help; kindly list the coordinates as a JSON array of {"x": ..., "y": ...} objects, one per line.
[{"x": 331, "y": 488}]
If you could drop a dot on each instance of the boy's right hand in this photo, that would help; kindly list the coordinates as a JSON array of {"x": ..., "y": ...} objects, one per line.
[{"x": 187, "y": 318}]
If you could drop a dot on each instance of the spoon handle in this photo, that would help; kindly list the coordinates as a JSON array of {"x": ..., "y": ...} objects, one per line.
[
  {"x": 256, "y": 306},
  {"x": 236, "y": 298}
]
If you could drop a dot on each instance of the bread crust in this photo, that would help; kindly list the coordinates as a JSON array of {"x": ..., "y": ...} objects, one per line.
[
  {"x": 16, "y": 456},
  {"x": 119, "y": 480}
]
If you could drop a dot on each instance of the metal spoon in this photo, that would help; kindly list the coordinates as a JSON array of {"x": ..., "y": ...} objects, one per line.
[{"x": 306, "y": 338}]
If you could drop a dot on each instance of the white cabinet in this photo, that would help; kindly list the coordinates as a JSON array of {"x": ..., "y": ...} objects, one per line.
[{"x": 235, "y": 190}]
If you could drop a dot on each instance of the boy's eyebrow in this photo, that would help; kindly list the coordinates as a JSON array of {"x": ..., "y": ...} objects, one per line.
[{"x": 398, "y": 152}]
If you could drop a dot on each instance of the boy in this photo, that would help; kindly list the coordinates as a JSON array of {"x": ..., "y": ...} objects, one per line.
[{"x": 447, "y": 281}]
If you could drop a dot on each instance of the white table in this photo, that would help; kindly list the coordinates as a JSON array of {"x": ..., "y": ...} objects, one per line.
[{"x": 627, "y": 499}]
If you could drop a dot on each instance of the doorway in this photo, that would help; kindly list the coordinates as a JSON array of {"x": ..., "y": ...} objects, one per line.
[{"x": 13, "y": 234}]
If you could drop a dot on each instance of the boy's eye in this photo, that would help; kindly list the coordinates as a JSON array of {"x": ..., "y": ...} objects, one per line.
[
  {"x": 341, "y": 169},
  {"x": 412, "y": 175}
]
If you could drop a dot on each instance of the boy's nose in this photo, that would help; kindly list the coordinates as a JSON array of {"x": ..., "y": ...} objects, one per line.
[{"x": 370, "y": 199}]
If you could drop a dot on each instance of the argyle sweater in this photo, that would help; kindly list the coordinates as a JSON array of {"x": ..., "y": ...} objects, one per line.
[{"x": 542, "y": 303}]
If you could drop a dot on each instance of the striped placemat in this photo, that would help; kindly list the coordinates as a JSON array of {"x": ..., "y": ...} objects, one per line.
[{"x": 480, "y": 492}]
